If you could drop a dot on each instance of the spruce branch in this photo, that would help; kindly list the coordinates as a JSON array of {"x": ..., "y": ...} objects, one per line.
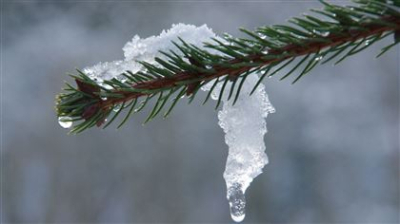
[{"x": 334, "y": 32}]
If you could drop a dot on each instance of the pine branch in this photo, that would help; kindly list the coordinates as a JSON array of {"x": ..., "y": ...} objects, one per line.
[{"x": 309, "y": 41}]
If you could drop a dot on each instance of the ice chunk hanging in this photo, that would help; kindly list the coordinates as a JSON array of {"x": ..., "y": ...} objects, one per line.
[
  {"x": 244, "y": 126},
  {"x": 243, "y": 123}
]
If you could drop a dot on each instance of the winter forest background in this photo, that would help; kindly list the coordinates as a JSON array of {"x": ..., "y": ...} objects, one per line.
[{"x": 333, "y": 144}]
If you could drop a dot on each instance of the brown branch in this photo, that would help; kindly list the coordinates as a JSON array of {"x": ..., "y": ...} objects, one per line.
[{"x": 292, "y": 50}]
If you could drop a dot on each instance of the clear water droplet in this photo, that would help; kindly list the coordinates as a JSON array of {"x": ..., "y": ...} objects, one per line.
[
  {"x": 214, "y": 95},
  {"x": 318, "y": 58},
  {"x": 103, "y": 98},
  {"x": 237, "y": 202},
  {"x": 117, "y": 108},
  {"x": 264, "y": 51},
  {"x": 262, "y": 36},
  {"x": 65, "y": 122},
  {"x": 321, "y": 33},
  {"x": 208, "y": 67},
  {"x": 139, "y": 107}
]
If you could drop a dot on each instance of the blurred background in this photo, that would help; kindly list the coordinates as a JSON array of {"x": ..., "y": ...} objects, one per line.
[{"x": 333, "y": 143}]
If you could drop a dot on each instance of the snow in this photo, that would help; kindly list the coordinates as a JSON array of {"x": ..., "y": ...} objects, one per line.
[
  {"x": 108, "y": 70},
  {"x": 243, "y": 123},
  {"x": 147, "y": 49}
]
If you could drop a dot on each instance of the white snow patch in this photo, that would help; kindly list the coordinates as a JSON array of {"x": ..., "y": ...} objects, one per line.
[{"x": 147, "y": 49}]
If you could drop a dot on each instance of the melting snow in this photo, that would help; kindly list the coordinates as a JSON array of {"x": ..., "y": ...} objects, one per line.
[{"x": 244, "y": 123}]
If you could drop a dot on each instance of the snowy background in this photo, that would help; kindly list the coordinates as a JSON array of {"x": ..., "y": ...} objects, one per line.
[{"x": 333, "y": 143}]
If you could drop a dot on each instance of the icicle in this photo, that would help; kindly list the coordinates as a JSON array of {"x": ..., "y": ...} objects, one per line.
[{"x": 244, "y": 126}]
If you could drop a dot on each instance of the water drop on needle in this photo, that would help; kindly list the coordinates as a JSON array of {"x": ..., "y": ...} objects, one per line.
[
  {"x": 321, "y": 33},
  {"x": 117, "y": 108},
  {"x": 318, "y": 58},
  {"x": 65, "y": 122}
]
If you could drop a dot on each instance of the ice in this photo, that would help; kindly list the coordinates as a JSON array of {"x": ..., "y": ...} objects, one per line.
[
  {"x": 243, "y": 123},
  {"x": 237, "y": 202},
  {"x": 244, "y": 126}
]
